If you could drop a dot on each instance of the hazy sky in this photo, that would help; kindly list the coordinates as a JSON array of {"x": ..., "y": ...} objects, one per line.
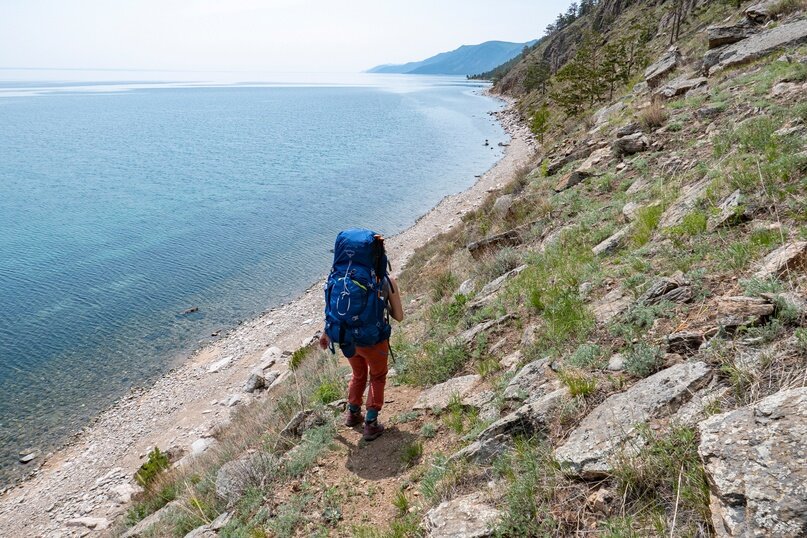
[{"x": 264, "y": 35}]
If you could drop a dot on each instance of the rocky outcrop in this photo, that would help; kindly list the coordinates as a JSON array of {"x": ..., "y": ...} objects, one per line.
[
  {"x": 630, "y": 144},
  {"x": 611, "y": 427},
  {"x": 730, "y": 212},
  {"x": 530, "y": 419},
  {"x": 718, "y": 36},
  {"x": 479, "y": 248},
  {"x": 302, "y": 422},
  {"x": 586, "y": 169},
  {"x": 530, "y": 383},
  {"x": 787, "y": 257},
  {"x": 686, "y": 202},
  {"x": 612, "y": 243},
  {"x": 144, "y": 526},
  {"x": 665, "y": 65},
  {"x": 467, "y": 337},
  {"x": 674, "y": 290},
  {"x": 469, "y": 516},
  {"x": 756, "y": 463},
  {"x": 757, "y": 46},
  {"x": 761, "y": 12},
  {"x": 680, "y": 86},
  {"x": 487, "y": 293},
  {"x": 737, "y": 311},
  {"x": 439, "y": 396},
  {"x": 611, "y": 305}
]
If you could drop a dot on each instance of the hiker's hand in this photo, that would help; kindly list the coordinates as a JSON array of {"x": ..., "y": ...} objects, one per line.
[{"x": 324, "y": 341}]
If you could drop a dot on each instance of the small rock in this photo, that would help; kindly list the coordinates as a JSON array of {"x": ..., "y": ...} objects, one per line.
[
  {"x": 611, "y": 305},
  {"x": 616, "y": 363},
  {"x": 503, "y": 205},
  {"x": 201, "y": 445},
  {"x": 530, "y": 382},
  {"x": 219, "y": 365},
  {"x": 708, "y": 112},
  {"x": 730, "y": 212},
  {"x": 96, "y": 523},
  {"x": 27, "y": 458},
  {"x": 601, "y": 501}
]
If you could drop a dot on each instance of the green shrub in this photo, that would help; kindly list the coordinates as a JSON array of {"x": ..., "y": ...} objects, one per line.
[
  {"x": 436, "y": 363},
  {"x": 642, "y": 359},
  {"x": 666, "y": 474},
  {"x": 411, "y": 453},
  {"x": 428, "y": 430},
  {"x": 500, "y": 263},
  {"x": 801, "y": 340},
  {"x": 755, "y": 287},
  {"x": 693, "y": 224},
  {"x": 578, "y": 383},
  {"x": 443, "y": 285},
  {"x": 531, "y": 475},
  {"x": 401, "y": 502},
  {"x": 297, "y": 358},
  {"x": 647, "y": 219},
  {"x": 157, "y": 462},
  {"x": 329, "y": 390},
  {"x": 586, "y": 356},
  {"x": 153, "y": 502}
]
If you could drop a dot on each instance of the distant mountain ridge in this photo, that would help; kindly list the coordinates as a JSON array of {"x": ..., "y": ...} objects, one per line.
[{"x": 465, "y": 60}]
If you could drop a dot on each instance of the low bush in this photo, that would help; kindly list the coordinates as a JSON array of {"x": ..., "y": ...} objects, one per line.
[
  {"x": 642, "y": 359},
  {"x": 654, "y": 116},
  {"x": 157, "y": 462},
  {"x": 578, "y": 383}
]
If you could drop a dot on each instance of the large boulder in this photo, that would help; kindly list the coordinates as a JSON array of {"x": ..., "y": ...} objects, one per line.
[
  {"x": 439, "y": 396},
  {"x": 665, "y": 65},
  {"x": 469, "y": 516},
  {"x": 756, "y": 461},
  {"x": 759, "y": 45},
  {"x": 612, "y": 426},
  {"x": 717, "y": 36}
]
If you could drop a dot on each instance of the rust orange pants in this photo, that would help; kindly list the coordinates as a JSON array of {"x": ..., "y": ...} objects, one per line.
[{"x": 372, "y": 360}]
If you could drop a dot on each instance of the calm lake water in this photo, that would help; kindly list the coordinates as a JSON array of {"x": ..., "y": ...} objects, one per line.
[{"x": 123, "y": 204}]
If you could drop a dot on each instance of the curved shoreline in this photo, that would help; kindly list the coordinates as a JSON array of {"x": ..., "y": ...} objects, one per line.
[{"x": 83, "y": 478}]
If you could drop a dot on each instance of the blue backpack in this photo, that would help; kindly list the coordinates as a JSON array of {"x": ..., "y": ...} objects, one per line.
[{"x": 355, "y": 311}]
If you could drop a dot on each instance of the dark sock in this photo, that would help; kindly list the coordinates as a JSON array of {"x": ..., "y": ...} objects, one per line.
[
  {"x": 372, "y": 415},
  {"x": 354, "y": 408}
]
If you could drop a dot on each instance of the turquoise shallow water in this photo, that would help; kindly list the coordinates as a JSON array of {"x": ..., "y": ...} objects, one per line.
[{"x": 119, "y": 209}]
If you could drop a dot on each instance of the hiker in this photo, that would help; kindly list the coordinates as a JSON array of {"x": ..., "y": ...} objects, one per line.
[{"x": 360, "y": 296}]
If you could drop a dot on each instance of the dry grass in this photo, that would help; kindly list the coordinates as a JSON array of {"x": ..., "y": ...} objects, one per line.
[
  {"x": 786, "y": 7},
  {"x": 654, "y": 116}
]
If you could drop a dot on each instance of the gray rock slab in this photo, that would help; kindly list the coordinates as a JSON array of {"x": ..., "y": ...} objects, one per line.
[
  {"x": 439, "y": 396},
  {"x": 467, "y": 337},
  {"x": 469, "y": 516},
  {"x": 612, "y": 243},
  {"x": 144, "y": 525},
  {"x": 761, "y": 44},
  {"x": 486, "y": 294},
  {"x": 680, "y": 86},
  {"x": 685, "y": 203},
  {"x": 662, "y": 67},
  {"x": 631, "y": 144},
  {"x": 788, "y": 256},
  {"x": 609, "y": 428},
  {"x": 529, "y": 382},
  {"x": 611, "y": 305},
  {"x": 717, "y": 36},
  {"x": 756, "y": 461},
  {"x": 729, "y": 212}
]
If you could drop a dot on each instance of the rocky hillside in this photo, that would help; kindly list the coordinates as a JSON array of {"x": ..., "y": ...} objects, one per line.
[{"x": 614, "y": 345}]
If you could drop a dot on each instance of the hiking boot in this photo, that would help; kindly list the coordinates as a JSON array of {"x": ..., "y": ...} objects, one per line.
[
  {"x": 353, "y": 419},
  {"x": 372, "y": 430}
]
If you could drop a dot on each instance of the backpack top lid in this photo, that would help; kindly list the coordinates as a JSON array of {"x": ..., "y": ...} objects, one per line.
[{"x": 358, "y": 246}]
